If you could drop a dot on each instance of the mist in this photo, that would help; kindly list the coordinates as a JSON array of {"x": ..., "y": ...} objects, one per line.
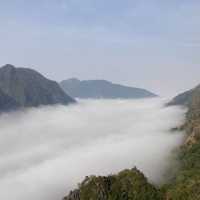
[{"x": 45, "y": 152}]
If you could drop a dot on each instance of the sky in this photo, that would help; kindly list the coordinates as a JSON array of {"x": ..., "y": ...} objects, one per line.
[{"x": 153, "y": 44}]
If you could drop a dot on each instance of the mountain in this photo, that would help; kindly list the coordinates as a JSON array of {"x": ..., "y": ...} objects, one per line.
[
  {"x": 28, "y": 88},
  {"x": 185, "y": 98},
  {"x": 102, "y": 89},
  {"x": 127, "y": 185},
  {"x": 7, "y": 103},
  {"x": 186, "y": 183}
]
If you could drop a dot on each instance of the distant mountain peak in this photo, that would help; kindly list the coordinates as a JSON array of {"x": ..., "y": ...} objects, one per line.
[
  {"x": 74, "y": 80},
  {"x": 8, "y": 67},
  {"x": 102, "y": 89}
]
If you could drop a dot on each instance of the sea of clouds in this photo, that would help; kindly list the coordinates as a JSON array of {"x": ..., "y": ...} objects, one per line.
[{"x": 45, "y": 152}]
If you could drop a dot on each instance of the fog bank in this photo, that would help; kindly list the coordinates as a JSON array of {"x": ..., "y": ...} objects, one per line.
[{"x": 45, "y": 152}]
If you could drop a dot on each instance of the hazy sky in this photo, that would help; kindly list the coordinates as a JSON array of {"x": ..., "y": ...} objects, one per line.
[{"x": 146, "y": 43}]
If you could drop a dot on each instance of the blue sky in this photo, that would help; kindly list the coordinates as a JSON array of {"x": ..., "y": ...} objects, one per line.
[{"x": 145, "y": 43}]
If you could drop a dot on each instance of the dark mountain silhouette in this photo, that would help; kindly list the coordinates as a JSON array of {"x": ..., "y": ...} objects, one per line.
[{"x": 25, "y": 87}]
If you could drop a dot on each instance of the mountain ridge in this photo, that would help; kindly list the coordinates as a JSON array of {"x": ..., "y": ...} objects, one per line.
[{"x": 96, "y": 89}]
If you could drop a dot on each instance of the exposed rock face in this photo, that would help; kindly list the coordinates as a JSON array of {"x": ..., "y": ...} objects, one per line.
[
  {"x": 194, "y": 137},
  {"x": 102, "y": 89},
  {"x": 190, "y": 99},
  {"x": 28, "y": 88},
  {"x": 127, "y": 185}
]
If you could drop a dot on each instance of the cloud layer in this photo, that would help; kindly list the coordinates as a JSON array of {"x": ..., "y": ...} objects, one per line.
[{"x": 45, "y": 152}]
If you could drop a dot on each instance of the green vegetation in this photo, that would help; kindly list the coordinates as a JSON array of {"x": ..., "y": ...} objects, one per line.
[
  {"x": 127, "y": 185},
  {"x": 132, "y": 184},
  {"x": 186, "y": 184}
]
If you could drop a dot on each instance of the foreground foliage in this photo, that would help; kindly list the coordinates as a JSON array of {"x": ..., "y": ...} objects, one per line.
[
  {"x": 127, "y": 185},
  {"x": 186, "y": 185}
]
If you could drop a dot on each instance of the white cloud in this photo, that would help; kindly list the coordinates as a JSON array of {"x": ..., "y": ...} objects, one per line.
[{"x": 45, "y": 152}]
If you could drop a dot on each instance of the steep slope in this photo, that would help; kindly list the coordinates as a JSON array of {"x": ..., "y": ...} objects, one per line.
[
  {"x": 187, "y": 97},
  {"x": 29, "y": 88},
  {"x": 127, "y": 185},
  {"x": 102, "y": 89},
  {"x": 186, "y": 184}
]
